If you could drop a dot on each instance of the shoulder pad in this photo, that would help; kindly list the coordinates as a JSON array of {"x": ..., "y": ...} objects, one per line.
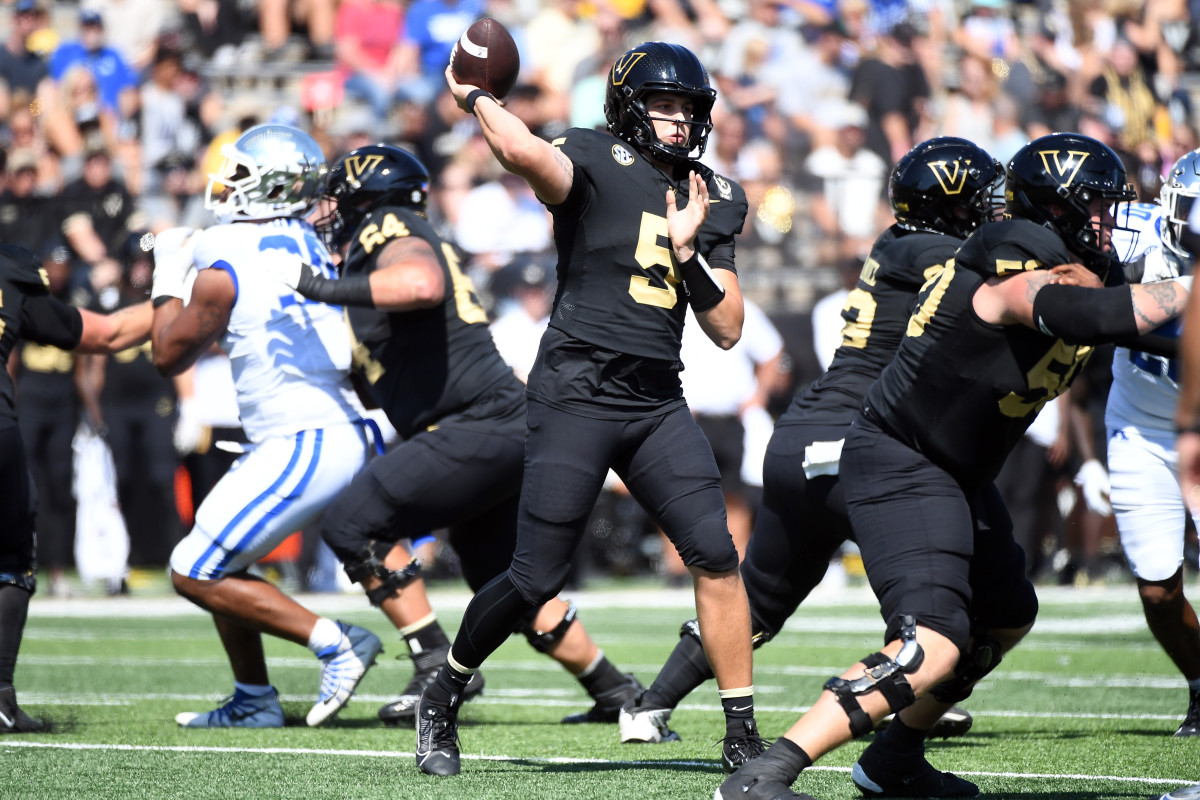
[
  {"x": 908, "y": 258},
  {"x": 22, "y": 267},
  {"x": 1013, "y": 246}
]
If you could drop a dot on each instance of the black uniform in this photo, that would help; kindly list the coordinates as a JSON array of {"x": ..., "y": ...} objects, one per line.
[
  {"x": 27, "y": 311},
  {"x": 439, "y": 378},
  {"x": 918, "y": 463},
  {"x": 803, "y": 520}
]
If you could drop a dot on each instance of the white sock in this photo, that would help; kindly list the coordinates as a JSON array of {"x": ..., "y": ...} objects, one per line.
[
  {"x": 326, "y": 637},
  {"x": 253, "y": 689}
]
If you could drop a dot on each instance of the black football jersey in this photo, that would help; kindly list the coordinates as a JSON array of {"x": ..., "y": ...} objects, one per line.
[
  {"x": 29, "y": 312},
  {"x": 963, "y": 391},
  {"x": 619, "y": 294},
  {"x": 876, "y": 316},
  {"x": 423, "y": 364}
]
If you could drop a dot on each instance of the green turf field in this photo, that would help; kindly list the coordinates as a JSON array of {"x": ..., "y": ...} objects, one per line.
[{"x": 1083, "y": 710}]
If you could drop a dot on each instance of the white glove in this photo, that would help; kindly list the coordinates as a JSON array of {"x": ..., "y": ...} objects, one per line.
[
  {"x": 188, "y": 428},
  {"x": 172, "y": 261},
  {"x": 1092, "y": 478}
]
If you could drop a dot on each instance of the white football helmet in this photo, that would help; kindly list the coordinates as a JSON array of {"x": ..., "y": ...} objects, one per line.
[
  {"x": 1177, "y": 195},
  {"x": 270, "y": 171}
]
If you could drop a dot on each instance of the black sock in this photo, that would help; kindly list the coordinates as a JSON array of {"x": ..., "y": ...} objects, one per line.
[
  {"x": 14, "y": 605},
  {"x": 898, "y": 736},
  {"x": 603, "y": 676},
  {"x": 789, "y": 756},
  {"x": 428, "y": 637},
  {"x": 738, "y": 711},
  {"x": 447, "y": 688},
  {"x": 687, "y": 667}
]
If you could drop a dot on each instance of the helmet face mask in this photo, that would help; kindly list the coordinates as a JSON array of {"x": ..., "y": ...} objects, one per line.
[
  {"x": 648, "y": 69},
  {"x": 270, "y": 171},
  {"x": 1056, "y": 182},
  {"x": 1178, "y": 196},
  {"x": 946, "y": 185},
  {"x": 371, "y": 176}
]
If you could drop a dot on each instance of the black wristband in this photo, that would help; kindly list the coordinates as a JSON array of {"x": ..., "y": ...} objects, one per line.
[
  {"x": 163, "y": 299},
  {"x": 1193, "y": 428},
  {"x": 699, "y": 284},
  {"x": 474, "y": 95},
  {"x": 352, "y": 291}
]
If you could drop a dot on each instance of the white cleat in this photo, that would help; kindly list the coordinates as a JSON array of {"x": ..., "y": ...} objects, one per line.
[
  {"x": 645, "y": 725},
  {"x": 238, "y": 711},
  {"x": 342, "y": 672}
]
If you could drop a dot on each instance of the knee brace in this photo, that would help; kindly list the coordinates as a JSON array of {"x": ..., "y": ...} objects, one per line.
[
  {"x": 367, "y": 563},
  {"x": 983, "y": 657},
  {"x": 883, "y": 674},
  {"x": 544, "y": 641},
  {"x": 26, "y": 580},
  {"x": 692, "y": 628}
]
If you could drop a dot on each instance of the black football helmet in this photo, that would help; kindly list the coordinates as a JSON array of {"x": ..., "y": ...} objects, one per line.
[
  {"x": 1053, "y": 181},
  {"x": 946, "y": 185},
  {"x": 658, "y": 67},
  {"x": 371, "y": 176}
]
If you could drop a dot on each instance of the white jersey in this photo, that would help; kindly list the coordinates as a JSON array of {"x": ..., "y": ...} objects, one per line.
[
  {"x": 1145, "y": 387},
  {"x": 290, "y": 357}
]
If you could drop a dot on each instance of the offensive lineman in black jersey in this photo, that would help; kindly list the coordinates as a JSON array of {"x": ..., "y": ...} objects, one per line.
[
  {"x": 604, "y": 391},
  {"x": 940, "y": 191},
  {"x": 29, "y": 312},
  {"x": 423, "y": 348},
  {"x": 991, "y": 341}
]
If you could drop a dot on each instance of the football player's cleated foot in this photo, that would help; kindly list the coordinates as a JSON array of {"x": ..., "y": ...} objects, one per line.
[
  {"x": 342, "y": 670},
  {"x": 737, "y": 750},
  {"x": 763, "y": 778},
  {"x": 885, "y": 773},
  {"x": 437, "y": 739},
  {"x": 12, "y": 718},
  {"x": 403, "y": 710},
  {"x": 1191, "y": 723},
  {"x": 608, "y": 704},
  {"x": 955, "y": 722},
  {"x": 643, "y": 724},
  {"x": 240, "y": 710}
]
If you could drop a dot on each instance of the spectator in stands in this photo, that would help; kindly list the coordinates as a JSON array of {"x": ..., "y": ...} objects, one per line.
[
  {"x": 848, "y": 202},
  {"x": 215, "y": 26},
  {"x": 1124, "y": 95},
  {"x": 22, "y": 71},
  {"x": 987, "y": 31},
  {"x": 560, "y": 37},
  {"x": 819, "y": 83},
  {"x": 498, "y": 219},
  {"x": 76, "y": 117},
  {"x": 26, "y": 217},
  {"x": 827, "y": 321},
  {"x": 524, "y": 291},
  {"x": 757, "y": 58},
  {"x": 133, "y": 27},
  {"x": 166, "y": 130},
  {"x": 431, "y": 28},
  {"x": 26, "y": 135},
  {"x": 366, "y": 36},
  {"x": 116, "y": 80},
  {"x": 275, "y": 18},
  {"x": 969, "y": 111},
  {"x": 97, "y": 210},
  {"x": 892, "y": 87}
]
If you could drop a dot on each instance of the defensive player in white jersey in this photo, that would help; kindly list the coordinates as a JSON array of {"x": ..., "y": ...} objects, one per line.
[
  {"x": 291, "y": 362},
  {"x": 1140, "y": 418}
]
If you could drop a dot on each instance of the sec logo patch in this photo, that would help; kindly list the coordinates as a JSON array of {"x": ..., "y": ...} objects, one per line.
[{"x": 621, "y": 155}]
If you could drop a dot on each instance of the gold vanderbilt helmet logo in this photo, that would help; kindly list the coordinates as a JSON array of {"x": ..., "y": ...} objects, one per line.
[
  {"x": 358, "y": 167},
  {"x": 1063, "y": 172},
  {"x": 623, "y": 65},
  {"x": 951, "y": 175}
]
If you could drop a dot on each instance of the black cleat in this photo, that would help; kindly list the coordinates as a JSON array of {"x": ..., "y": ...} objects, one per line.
[
  {"x": 737, "y": 750},
  {"x": 955, "y": 722},
  {"x": 608, "y": 704},
  {"x": 880, "y": 772},
  {"x": 12, "y": 718},
  {"x": 1191, "y": 723},
  {"x": 403, "y": 710},
  {"x": 764, "y": 778},
  {"x": 437, "y": 738}
]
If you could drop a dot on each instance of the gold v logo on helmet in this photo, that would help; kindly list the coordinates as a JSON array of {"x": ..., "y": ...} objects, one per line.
[
  {"x": 623, "y": 65},
  {"x": 1063, "y": 173},
  {"x": 951, "y": 180},
  {"x": 359, "y": 166}
]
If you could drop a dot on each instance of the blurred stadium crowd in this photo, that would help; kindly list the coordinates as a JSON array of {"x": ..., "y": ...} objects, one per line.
[{"x": 113, "y": 113}]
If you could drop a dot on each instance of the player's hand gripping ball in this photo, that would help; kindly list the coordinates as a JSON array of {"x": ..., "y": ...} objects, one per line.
[{"x": 486, "y": 56}]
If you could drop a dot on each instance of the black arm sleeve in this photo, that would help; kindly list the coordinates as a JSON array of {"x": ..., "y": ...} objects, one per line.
[
  {"x": 1080, "y": 315},
  {"x": 703, "y": 289},
  {"x": 48, "y": 320},
  {"x": 1153, "y": 343},
  {"x": 352, "y": 291}
]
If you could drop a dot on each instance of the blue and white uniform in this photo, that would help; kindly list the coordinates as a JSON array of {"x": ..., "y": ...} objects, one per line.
[
  {"x": 291, "y": 360},
  {"x": 1140, "y": 418}
]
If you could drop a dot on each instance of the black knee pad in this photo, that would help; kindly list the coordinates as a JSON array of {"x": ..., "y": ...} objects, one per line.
[
  {"x": 709, "y": 547},
  {"x": 983, "y": 657},
  {"x": 369, "y": 562},
  {"x": 544, "y": 641},
  {"x": 26, "y": 579},
  {"x": 883, "y": 674}
]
